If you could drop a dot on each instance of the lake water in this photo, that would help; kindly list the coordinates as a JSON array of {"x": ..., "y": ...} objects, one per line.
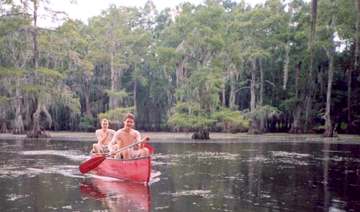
[{"x": 232, "y": 176}]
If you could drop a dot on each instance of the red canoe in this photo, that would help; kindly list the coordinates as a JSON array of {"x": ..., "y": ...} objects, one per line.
[{"x": 137, "y": 170}]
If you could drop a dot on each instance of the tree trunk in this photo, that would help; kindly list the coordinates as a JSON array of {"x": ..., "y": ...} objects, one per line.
[
  {"x": 114, "y": 83},
  {"x": 48, "y": 116},
  {"x": 295, "y": 127},
  {"x": 252, "y": 86},
  {"x": 28, "y": 114},
  {"x": 356, "y": 68},
  {"x": 114, "y": 101},
  {"x": 287, "y": 50},
  {"x": 4, "y": 128},
  {"x": 232, "y": 97},
  {"x": 297, "y": 79},
  {"x": 331, "y": 54},
  {"x": 254, "y": 127},
  {"x": 328, "y": 124},
  {"x": 357, "y": 37},
  {"x": 349, "y": 82},
  {"x": 286, "y": 65},
  {"x": 135, "y": 96},
  {"x": 180, "y": 71},
  {"x": 310, "y": 84},
  {"x": 87, "y": 98},
  {"x": 36, "y": 131},
  {"x": 19, "y": 124},
  {"x": 87, "y": 103},
  {"x": 201, "y": 135},
  {"x": 223, "y": 92},
  {"x": 34, "y": 36},
  {"x": 261, "y": 99}
]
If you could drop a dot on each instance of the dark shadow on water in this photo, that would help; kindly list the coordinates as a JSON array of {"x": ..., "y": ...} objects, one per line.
[{"x": 117, "y": 195}]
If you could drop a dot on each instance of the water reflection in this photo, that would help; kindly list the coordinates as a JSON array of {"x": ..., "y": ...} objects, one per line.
[
  {"x": 118, "y": 195},
  {"x": 258, "y": 177}
]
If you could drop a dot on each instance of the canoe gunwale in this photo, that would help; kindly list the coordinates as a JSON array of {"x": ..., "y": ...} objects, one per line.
[{"x": 134, "y": 159}]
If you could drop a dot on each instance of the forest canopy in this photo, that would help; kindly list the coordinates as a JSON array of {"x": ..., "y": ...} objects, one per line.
[{"x": 280, "y": 66}]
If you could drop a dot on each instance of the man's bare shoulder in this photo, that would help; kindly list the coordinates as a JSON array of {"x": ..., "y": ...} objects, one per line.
[
  {"x": 135, "y": 131},
  {"x": 119, "y": 131}
]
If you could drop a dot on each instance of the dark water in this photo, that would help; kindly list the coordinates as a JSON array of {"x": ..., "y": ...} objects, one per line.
[{"x": 251, "y": 176}]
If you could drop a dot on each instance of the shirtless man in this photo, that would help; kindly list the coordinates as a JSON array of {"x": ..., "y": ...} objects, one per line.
[
  {"x": 126, "y": 136},
  {"x": 103, "y": 136}
]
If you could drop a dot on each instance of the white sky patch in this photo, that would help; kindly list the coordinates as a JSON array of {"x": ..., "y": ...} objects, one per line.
[{"x": 340, "y": 44}]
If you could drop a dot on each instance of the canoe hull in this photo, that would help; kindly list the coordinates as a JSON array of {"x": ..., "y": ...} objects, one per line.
[{"x": 137, "y": 170}]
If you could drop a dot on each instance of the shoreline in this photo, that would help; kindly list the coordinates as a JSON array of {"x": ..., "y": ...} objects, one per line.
[{"x": 215, "y": 137}]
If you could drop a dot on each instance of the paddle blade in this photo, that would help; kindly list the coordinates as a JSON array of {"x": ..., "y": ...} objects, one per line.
[
  {"x": 150, "y": 148},
  {"x": 91, "y": 164}
]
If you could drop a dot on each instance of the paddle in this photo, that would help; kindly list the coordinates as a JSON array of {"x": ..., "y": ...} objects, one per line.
[{"x": 94, "y": 162}]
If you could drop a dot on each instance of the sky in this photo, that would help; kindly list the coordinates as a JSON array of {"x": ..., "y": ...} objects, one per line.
[{"x": 84, "y": 9}]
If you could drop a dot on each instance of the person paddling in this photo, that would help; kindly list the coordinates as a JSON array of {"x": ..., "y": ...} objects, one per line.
[
  {"x": 103, "y": 136},
  {"x": 126, "y": 136}
]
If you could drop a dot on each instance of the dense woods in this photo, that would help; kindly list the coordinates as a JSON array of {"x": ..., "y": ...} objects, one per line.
[{"x": 279, "y": 66}]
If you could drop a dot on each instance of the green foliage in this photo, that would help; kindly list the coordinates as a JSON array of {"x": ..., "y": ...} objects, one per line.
[
  {"x": 266, "y": 111},
  {"x": 118, "y": 94},
  {"x": 185, "y": 122},
  {"x": 50, "y": 73},
  {"x": 230, "y": 120},
  {"x": 190, "y": 108},
  {"x": 289, "y": 104},
  {"x": 343, "y": 126},
  {"x": 116, "y": 114},
  {"x": 166, "y": 54},
  {"x": 188, "y": 116},
  {"x": 199, "y": 63},
  {"x": 87, "y": 124},
  {"x": 68, "y": 99},
  {"x": 4, "y": 99},
  {"x": 202, "y": 87},
  {"x": 31, "y": 89},
  {"x": 7, "y": 72}
]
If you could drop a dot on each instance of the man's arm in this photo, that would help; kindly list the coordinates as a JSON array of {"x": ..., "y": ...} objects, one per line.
[
  {"x": 102, "y": 139},
  {"x": 99, "y": 138},
  {"x": 111, "y": 134},
  {"x": 113, "y": 141},
  {"x": 138, "y": 138}
]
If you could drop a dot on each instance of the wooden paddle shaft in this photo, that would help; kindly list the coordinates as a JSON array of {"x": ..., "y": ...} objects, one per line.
[{"x": 126, "y": 147}]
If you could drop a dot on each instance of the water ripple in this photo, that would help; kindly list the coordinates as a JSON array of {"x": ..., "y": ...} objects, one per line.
[{"x": 72, "y": 154}]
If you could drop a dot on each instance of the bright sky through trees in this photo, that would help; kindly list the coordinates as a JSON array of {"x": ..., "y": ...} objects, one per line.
[{"x": 84, "y": 9}]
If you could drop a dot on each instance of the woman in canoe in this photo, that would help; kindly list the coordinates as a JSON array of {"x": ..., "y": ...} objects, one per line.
[
  {"x": 126, "y": 136},
  {"x": 103, "y": 136}
]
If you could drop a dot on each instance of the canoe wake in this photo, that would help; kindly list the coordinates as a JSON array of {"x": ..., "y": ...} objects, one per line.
[{"x": 72, "y": 155}]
